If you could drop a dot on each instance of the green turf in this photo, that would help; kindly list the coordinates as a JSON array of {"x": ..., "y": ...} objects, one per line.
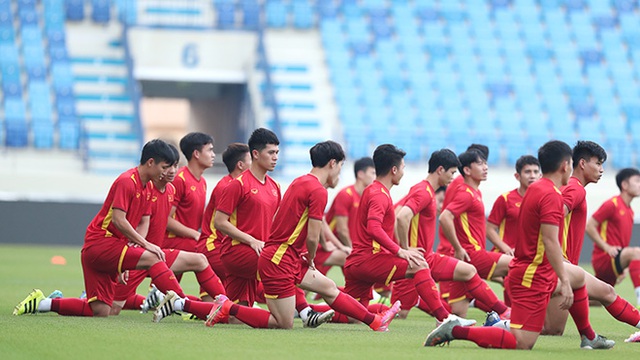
[{"x": 133, "y": 335}]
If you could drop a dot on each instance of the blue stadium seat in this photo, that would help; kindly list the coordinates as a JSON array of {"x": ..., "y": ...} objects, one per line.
[
  {"x": 16, "y": 133},
  {"x": 11, "y": 85},
  {"x": 303, "y": 14},
  {"x": 69, "y": 131},
  {"x": 42, "y": 134},
  {"x": 100, "y": 11},
  {"x": 250, "y": 16},
  {"x": 276, "y": 14},
  {"x": 74, "y": 10}
]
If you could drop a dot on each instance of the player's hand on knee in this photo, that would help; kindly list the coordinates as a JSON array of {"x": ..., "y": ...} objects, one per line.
[
  {"x": 123, "y": 277},
  {"x": 414, "y": 257},
  {"x": 461, "y": 254},
  {"x": 257, "y": 246},
  {"x": 566, "y": 293},
  {"x": 155, "y": 249}
]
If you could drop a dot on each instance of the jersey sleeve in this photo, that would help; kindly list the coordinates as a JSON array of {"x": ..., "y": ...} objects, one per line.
[
  {"x": 499, "y": 210},
  {"x": 230, "y": 198},
  {"x": 341, "y": 204},
  {"x": 605, "y": 211},
  {"x": 317, "y": 203},
  {"x": 124, "y": 190},
  {"x": 460, "y": 202},
  {"x": 572, "y": 196},
  {"x": 551, "y": 209},
  {"x": 418, "y": 201},
  {"x": 179, "y": 185}
]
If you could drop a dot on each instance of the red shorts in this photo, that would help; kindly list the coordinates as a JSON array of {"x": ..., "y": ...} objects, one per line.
[
  {"x": 605, "y": 269},
  {"x": 445, "y": 289},
  {"x": 442, "y": 266},
  {"x": 215, "y": 260},
  {"x": 281, "y": 280},
  {"x": 405, "y": 291},
  {"x": 362, "y": 272},
  {"x": 485, "y": 263},
  {"x": 180, "y": 244},
  {"x": 321, "y": 257},
  {"x": 528, "y": 305},
  {"x": 241, "y": 265},
  {"x": 102, "y": 261},
  {"x": 136, "y": 277}
]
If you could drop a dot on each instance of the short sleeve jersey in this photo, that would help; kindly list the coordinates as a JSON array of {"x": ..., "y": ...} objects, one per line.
[
  {"x": 615, "y": 226},
  {"x": 574, "y": 197},
  {"x": 161, "y": 203},
  {"x": 422, "y": 227},
  {"x": 128, "y": 194},
  {"x": 375, "y": 204},
  {"x": 210, "y": 235},
  {"x": 469, "y": 221},
  {"x": 189, "y": 200},
  {"x": 304, "y": 199},
  {"x": 345, "y": 203},
  {"x": 444, "y": 247},
  {"x": 251, "y": 204},
  {"x": 504, "y": 214},
  {"x": 542, "y": 204}
]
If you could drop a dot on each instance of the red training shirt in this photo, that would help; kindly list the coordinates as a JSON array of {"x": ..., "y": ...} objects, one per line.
[
  {"x": 161, "y": 203},
  {"x": 504, "y": 214},
  {"x": 422, "y": 229},
  {"x": 345, "y": 203},
  {"x": 572, "y": 236},
  {"x": 189, "y": 200},
  {"x": 468, "y": 211},
  {"x": 445, "y": 247},
  {"x": 376, "y": 221},
  {"x": 210, "y": 237},
  {"x": 615, "y": 226}
]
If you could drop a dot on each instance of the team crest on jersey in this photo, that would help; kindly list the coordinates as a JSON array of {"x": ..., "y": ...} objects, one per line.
[
  {"x": 518, "y": 204},
  {"x": 193, "y": 188},
  {"x": 274, "y": 192},
  {"x": 154, "y": 199},
  {"x": 170, "y": 198},
  {"x": 621, "y": 212},
  {"x": 137, "y": 195},
  {"x": 254, "y": 191}
]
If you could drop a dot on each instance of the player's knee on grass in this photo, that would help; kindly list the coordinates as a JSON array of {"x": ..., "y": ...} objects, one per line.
[
  {"x": 100, "y": 309},
  {"x": 403, "y": 314}
]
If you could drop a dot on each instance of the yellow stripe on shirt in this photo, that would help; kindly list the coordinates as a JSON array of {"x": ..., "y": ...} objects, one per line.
[
  {"x": 107, "y": 221},
  {"x": 565, "y": 234},
  {"x": 464, "y": 220},
  {"x": 413, "y": 235},
  {"x": 501, "y": 230},
  {"x": 277, "y": 257},
  {"x": 527, "y": 279},
  {"x": 603, "y": 230}
]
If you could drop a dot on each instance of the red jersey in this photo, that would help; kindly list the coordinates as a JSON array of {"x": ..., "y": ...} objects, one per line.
[
  {"x": 189, "y": 200},
  {"x": 469, "y": 221},
  {"x": 574, "y": 197},
  {"x": 305, "y": 199},
  {"x": 127, "y": 193},
  {"x": 210, "y": 237},
  {"x": 616, "y": 224},
  {"x": 422, "y": 228},
  {"x": 161, "y": 203},
  {"x": 250, "y": 205},
  {"x": 445, "y": 247},
  {"x": 542, "y": 204},
  {"x": 345, "y": 203},
  {"x": 376, "y": 207},
  {"x": 504, "y": 214}
]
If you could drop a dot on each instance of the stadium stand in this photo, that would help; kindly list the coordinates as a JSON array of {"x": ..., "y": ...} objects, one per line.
[{"x": 423, "y": 74}]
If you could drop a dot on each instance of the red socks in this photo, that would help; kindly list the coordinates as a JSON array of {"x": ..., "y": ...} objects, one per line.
[
  {"x": 428, "y": 292},
  {"x": 624, "y": 312},
  {"x": 301, "y": 300},
  {"x": 133, "y": 302},
  {"x": 486, "y": 337},
  {"x": 483, "y": 294},
  {"x": 200, "y": 309},
  {"x": 350, "y": 307},
  {"x": 71, "y": 307},
  {"x": 634, "y": 272},
  {"x": 164, "y": 279},
  {"x": 580, "y": 312},
  {"x": 254, "y": 317},
  {"x": 210, "y": 282}
]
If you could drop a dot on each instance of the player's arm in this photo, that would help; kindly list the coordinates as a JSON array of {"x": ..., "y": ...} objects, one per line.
[
  {"x": 143, "y": 226},
  {"x": 413, "y": 256},
  {"x": 222, "y": 223},
  {"x": 403, "y": 220},
  {"x": 342, "y": 229},
  {"x": 179, "y": 229},
  {"x": 314, "y": 227},
  {"x": 331, "y": 240},
  {"x": 493, "y": 234},
  {"x": 549, "y": 234},
  {"x": 594, "y": 235},
  {"x": 446, "y": 221},
  {"x": 123, "y": 225}
]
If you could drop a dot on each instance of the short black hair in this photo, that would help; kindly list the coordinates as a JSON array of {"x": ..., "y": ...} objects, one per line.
[
  {"x": 468, "y": 157},
  {"x": 159, "y": 151},
  {"x": 322, "y": 152},
  {"x": 483, "y": 149},
  {"x": 442, "y": 188},
  {"x": 587, "y": 150},
  {"x": 234, "y": 153},
  {"x": 362, "y": 164},
  {"x": 385, "y": 157},
  {"x": 624, "y": 175},
  {"x": 194, "y": 141},
  {"x": 260, "y": 138},
  {"x": 526, "y": 160},
  {"x": 176, "y": 153},
  {"x": 552, "y": 154},
  {"x": 443, "y": 157}
]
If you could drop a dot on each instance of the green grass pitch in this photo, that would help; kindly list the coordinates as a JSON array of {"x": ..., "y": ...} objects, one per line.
[{"x": 134, "y": 335}]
